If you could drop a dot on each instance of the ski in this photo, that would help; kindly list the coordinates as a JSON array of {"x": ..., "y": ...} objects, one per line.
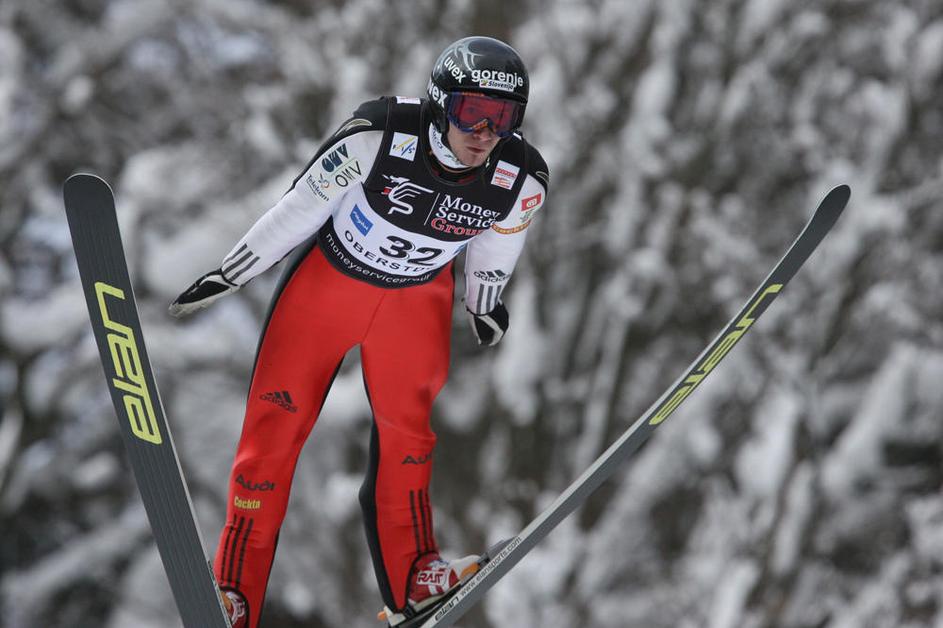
[
  {"x": 93, "y": 221},
  {"x": 603, "y": 467}
]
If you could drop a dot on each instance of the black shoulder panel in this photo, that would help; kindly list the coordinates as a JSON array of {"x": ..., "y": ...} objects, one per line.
[
  {"x": 369, "y": 116},
  {"x": 537, "y": 166}
]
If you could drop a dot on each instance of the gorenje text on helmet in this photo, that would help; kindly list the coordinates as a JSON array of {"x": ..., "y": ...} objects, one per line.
[{"x": 507, "y": 81}]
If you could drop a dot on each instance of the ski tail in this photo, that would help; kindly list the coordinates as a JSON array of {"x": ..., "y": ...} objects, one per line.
[
  {"x": 604, "y": 467},
  {"x": 93, "y": 222}
]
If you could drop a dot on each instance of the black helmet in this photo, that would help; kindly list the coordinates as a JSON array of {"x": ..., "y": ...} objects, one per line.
[{"x": 477, "y": 64}]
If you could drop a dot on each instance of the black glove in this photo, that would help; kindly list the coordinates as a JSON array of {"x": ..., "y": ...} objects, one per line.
[
  {"x": 202, "y": 293},
  {"x": 489, "y": 328}
]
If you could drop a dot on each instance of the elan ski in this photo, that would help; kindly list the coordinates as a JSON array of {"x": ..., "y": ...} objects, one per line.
[
  {"x": 90, "y": 208},
  {"x": 576, "y": 494}
]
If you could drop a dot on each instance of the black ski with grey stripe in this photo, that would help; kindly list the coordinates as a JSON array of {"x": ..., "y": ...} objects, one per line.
[
  {"x": 605, "y": 466},
  {"x": 90, "y": 209}
]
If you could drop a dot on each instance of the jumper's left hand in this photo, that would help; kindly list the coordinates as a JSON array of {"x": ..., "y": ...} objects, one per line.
[
  {"x": 489, "y": 328},
  {"x": 204, "y": 291}
]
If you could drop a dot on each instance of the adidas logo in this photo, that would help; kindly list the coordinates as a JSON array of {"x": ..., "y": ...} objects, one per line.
[
  {"x": 281, "y": 399},
  {"x": 493, "y": 276}
]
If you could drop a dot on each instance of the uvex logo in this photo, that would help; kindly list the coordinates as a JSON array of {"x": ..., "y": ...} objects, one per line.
[
  {"x": 436, "y": 94},
  {"x": 454, "y": 69},
  {"x": 422, "y": 459}
]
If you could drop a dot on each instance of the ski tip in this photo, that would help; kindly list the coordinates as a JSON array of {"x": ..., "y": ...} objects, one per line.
[
  {"x": 84, "y": 185},
  {"x": 841, "y": 193},
  {"x": 83, "y": 179}
]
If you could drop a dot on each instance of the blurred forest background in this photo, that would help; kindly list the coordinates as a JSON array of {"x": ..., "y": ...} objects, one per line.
[{"x": 688, "y": 142}]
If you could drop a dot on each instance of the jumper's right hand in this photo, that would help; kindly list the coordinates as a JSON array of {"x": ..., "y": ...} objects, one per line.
[
  {"x": 202, "y": 293},
  {"x": 490, "y": 327}
]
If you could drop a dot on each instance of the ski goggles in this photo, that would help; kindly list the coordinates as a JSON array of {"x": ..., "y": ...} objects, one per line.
[{"x": 470, "y": 112}]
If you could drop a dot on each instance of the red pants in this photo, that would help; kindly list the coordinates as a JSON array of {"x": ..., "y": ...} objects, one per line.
[{"x": 404, "y": 335}]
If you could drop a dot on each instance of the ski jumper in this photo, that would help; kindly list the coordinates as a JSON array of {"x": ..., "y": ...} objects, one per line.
[{"x": 375, "y": 228}]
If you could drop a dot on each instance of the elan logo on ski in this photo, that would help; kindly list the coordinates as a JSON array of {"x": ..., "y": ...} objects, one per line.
[
  {"x": 281, "y": 399},
  {"x": 129, "y": 374},
  {"x": 716, "y": 355}
]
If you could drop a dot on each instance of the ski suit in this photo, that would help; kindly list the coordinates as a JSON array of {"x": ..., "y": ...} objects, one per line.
[{"x": 375, "y": 227}]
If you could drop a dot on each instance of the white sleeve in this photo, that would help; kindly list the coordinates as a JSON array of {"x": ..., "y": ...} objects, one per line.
[
  {"x": 491, "y": 256},
  {"x": 304, "y": 208}
]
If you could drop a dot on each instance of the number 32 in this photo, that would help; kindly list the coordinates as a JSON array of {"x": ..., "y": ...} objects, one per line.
[{"x": 401, "y": 248}]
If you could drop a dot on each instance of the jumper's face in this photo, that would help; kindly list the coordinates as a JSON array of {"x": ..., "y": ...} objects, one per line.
[{"x": 472, "y": 149}]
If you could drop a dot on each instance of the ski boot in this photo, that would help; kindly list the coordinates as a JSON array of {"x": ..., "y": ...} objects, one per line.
[
  {"x": 235, "y": 608},
  {"x": 433, "y": 579}
]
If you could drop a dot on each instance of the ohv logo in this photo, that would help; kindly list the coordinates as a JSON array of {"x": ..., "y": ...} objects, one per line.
[{"x": 335, "y": 158}]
